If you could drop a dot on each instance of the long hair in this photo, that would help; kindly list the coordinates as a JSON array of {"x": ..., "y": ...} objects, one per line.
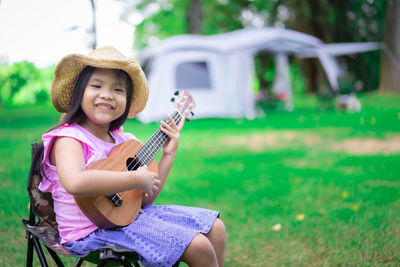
[{"x": 75, "y": 113}]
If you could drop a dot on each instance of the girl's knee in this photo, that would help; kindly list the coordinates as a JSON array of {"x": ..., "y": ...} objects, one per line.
[
  {"x": 202, "y": 245},
  {"x": 219, "y": 227},
  {"x": 218, "y": 230},
  {"x": 200, "y": 252}
]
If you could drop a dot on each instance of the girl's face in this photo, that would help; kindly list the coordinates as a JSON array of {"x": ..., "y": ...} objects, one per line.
[{"x": 104, "y": 98}]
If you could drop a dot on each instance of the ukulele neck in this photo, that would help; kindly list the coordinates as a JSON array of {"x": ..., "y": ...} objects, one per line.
[{"x": 149, "y": 150}]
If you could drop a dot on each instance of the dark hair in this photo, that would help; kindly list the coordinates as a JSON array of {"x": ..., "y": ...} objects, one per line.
[{"x": 75, "y": 112}]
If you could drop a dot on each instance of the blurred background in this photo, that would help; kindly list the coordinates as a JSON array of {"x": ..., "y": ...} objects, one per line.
[
  {"x": 36, "y": 35},
  {"x": 295, "y": 137}
]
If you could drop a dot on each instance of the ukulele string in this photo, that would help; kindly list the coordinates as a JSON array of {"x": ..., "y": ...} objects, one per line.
[
  {"x": 157, "y": 139},
  {"x": 147, "y": 155},
  {"x": 160, "y": 137}
]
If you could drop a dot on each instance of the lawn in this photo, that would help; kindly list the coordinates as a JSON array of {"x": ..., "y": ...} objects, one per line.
[{"x": 310, "y": 187}]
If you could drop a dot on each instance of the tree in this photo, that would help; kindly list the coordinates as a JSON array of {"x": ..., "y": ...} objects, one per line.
[
  {"x": 22, "y": 83},
  {"x": 93, "y": 30},
  {"x": 390, "y": 60},
  {"x": 194, "y": 17}
]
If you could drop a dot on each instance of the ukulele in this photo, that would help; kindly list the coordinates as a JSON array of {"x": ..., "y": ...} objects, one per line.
[{"x": 122, "y": 208}]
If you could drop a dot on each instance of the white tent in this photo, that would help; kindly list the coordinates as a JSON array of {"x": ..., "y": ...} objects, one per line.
[{"x": 218, "y": 70}]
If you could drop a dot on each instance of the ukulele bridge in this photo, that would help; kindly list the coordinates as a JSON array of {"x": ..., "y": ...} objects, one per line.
[{"x": 116, "y": 199}]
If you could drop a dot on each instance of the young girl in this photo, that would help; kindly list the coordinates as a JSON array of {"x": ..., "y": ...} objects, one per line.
[{"x": 98, "y": 93}]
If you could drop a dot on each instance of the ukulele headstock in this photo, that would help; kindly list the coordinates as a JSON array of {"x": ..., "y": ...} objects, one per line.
[{"x": 185, "y": 104}]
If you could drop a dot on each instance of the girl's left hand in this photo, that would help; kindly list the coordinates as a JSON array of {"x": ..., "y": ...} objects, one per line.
[{"x": 172, "y": 130}]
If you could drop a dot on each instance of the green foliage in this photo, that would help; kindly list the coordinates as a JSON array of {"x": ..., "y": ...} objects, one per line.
[
  {"x": 169, "y": 20},
  {"x": 297, "y": 79},
  {"x": 216, "y": 13},
  {"x": 23, "y": 83},
  {"x": 171, "y": 17}
]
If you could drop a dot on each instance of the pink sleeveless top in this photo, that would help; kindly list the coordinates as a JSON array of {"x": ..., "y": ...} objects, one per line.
[{"x": 72, "y": 222}]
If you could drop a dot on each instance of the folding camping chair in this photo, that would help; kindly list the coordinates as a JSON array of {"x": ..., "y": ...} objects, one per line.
[{"x": 42, "y": 228}]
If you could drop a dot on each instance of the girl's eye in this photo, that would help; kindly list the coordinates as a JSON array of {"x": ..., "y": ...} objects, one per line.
[
  {"x": 95, "y": 86},
  {"x": 119, "y": 90}
]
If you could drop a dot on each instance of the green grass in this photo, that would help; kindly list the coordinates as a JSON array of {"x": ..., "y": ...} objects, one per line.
[{"x": 337, "y": 205}]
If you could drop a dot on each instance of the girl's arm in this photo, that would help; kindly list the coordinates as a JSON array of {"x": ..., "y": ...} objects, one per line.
[
  {"x": 67, "y": 155},
  {"x": 168, "y": 156}
]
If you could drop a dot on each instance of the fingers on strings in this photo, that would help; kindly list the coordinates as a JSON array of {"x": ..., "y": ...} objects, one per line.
[{"x": 168, "y": 128}]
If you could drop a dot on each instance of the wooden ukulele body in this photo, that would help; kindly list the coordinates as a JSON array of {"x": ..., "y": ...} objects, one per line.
[{"x": 101, "y": 210}]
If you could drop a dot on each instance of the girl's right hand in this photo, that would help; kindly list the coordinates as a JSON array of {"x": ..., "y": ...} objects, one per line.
[{"x": 150, "y": 181}]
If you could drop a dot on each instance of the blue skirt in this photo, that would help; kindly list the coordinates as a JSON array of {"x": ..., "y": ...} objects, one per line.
[{"x": 159, "y": 235}]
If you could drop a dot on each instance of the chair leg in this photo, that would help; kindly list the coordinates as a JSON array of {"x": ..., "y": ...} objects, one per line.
[
  {"x": 29, "y": 256},
  {"x": 126, "y": 263},
  {"x": 39, "y": 252},
  {"x": 55, "y": 257},
  {"x": 79, "y": 262}
]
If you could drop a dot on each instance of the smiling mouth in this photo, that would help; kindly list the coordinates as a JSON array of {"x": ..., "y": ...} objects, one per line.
[{"x": 104, "y": 107}]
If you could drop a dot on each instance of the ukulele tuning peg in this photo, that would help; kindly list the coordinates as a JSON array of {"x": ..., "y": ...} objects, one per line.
[
  {"x": 176, "y": 93},
  {"x": 191, "y": 113},
  {"x": 187, "y": 119},
  {"x": 172, "y": 99}
]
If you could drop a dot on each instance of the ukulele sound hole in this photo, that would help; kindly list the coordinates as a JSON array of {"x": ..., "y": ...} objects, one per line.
[
  {"x": 132, "y": 164},
  {"x": 116, "y": 199}
]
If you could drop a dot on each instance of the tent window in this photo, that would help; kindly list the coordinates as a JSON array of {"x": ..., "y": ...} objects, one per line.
[{"x": 193, "y": 75}]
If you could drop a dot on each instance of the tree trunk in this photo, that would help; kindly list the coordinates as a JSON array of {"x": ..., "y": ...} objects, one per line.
[
  {"x": 390, "y": 57},
  {"x": 93, "y": 31},
  {"x": 194, "y": 17},
  {"x": 310, "y": 70},
  {"x": 310, "y": 25}
]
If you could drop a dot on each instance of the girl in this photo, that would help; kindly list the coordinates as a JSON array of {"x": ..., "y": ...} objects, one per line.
[{"x": 98, "y": 93}]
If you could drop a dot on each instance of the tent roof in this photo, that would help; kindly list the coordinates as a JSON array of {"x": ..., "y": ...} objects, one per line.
[
  {"x": 268, "y": 39},
  {"x": 253, "y": 40}
]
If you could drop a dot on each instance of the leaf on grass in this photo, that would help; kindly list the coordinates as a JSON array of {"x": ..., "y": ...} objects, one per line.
[
  {"x": 277, "y": 227},
  {"x": 354, "y": 207},
  {"x": 300, "y": 217}
]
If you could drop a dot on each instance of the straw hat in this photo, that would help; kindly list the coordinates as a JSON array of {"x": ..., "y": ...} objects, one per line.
[{"x": 69, "y": 68}]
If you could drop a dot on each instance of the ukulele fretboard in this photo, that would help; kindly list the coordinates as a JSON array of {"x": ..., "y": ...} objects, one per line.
[{"x": 149, "y": 150}]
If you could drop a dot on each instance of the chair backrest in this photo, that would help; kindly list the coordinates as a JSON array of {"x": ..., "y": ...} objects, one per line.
[
  {"x": 42, "y": 205},
  {"x": 41, "y": 202}
]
